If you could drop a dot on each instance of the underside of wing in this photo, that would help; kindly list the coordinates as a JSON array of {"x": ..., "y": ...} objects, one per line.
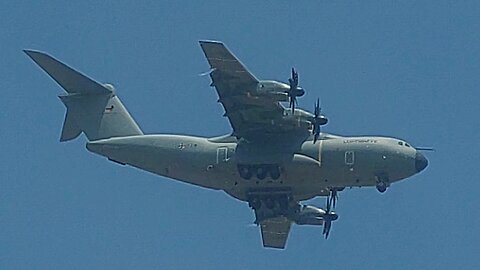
[
  {"x": 222, "y": 60},
  {"x": 275, "y": 232},
  {"x": 251, "y": 112}
]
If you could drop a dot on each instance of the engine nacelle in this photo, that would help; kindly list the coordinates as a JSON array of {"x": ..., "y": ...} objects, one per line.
[
  {"x": 274, "y": 89},
  {"x": 309, "y": 221},
  {"x": 310, "y": 215}
]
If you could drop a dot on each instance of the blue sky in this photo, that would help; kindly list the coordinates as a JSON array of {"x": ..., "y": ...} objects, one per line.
[{"x": 408, "y": 69}]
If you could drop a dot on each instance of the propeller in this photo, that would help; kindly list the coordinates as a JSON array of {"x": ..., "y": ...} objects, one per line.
[
  {"x": 318, "y": 120},
  {"x": 333, "y": 197},
  {"x": 328, "y": 218},
  {"x": 294, "y": 90}
]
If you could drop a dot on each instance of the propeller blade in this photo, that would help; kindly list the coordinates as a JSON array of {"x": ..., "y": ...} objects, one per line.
[
  {"x": 317, "y": 108},
  {"x": 293, "y": 91},
  {"x": 315, "y": 137},
  {"x": 294, "y": 78},
  {"x": 326, "y": 228},
  {"x": 293, "y": 100},
  {"x": 334, "y": 197},
  {"x": 318, "y": 120},
  {"x": 328, "y": 206}
]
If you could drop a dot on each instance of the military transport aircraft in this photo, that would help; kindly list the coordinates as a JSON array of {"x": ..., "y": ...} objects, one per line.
[{"x": 274, "y": 158}]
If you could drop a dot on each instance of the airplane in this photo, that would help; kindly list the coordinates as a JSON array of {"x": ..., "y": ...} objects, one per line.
[{"x": 274, "y": 158}]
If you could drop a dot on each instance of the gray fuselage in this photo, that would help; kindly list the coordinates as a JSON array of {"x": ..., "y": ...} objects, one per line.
[{"x": 332, "y": 162}]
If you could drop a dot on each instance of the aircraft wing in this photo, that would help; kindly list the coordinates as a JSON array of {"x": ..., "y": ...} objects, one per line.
[
  {"x": 251, "y": 115},
  {"x": 275, "y": 232},
  {"x": 221, "y": 59}
]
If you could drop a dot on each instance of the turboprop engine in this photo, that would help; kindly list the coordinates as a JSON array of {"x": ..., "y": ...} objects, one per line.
[
  {"x": 277, "y": 90},
  {"x": 312, "y": 215}
]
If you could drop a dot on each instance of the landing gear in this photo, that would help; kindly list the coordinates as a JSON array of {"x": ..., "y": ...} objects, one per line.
[
  {"x": 255, "y": 203},
  {"x": 382, "y": 187},
  {"x": 270, "y": 205},
  {"x": 283, "y": 202},
  {"x": 382, "y": 184},
  {"x": 261, "y": 171},
  {"x": 274, "y": 172},
  {"x": 245, "y": 172}
]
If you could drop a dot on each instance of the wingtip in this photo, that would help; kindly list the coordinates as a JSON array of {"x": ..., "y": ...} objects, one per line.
[
  {"x": 206, "y": 41},
  {"x": 33, "y": 53}
]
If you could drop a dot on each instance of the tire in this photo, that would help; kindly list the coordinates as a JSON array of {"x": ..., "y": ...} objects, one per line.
[
  {"x": 382, "y": 187},
  {"x": 269, "y": 203},
  {"x": 244, "y": 172},
  {"x": 283, "y": 201},
  {"x": 274, "y": 172},
  {"x": 261, "y": 172}
]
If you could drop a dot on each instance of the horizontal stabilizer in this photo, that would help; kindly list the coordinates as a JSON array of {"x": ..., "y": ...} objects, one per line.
[{"x": 71, "y": 80}]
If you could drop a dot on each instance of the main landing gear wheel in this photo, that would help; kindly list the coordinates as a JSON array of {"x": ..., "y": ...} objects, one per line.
[
  {"x": 279, "y": 204},
  {"x": 270, "y": 203},
  {"x": 261, "y": 172},
  {"x": 283, "y": 202},
  {"x": 245, "y": 172},
  {"x": 274, "y": 172}
]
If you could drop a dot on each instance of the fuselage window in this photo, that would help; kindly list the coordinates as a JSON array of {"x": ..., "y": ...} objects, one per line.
[{"x": 349, "y": 158}]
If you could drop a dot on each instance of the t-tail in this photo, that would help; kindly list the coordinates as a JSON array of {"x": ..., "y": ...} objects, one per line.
[{"x": 92, "y": 108}]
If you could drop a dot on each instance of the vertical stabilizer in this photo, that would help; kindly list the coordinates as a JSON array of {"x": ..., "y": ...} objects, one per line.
[{"x": 92, "y": 108}]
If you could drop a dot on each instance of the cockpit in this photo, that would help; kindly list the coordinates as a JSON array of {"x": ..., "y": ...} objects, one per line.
[{"x": 402, "y": 143}]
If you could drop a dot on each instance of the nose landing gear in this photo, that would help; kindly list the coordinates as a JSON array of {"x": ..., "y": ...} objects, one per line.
[
  {"x": 381, "y": 187},
  {"x": 382, "y": 184}
]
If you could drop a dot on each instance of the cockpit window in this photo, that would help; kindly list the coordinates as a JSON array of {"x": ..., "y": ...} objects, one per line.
[
  {"x": 407, "y": 145},
  {"x": 400, "y": 143}
]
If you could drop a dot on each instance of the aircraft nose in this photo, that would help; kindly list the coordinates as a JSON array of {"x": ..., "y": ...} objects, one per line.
[{"x": 420, "y": 162}]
